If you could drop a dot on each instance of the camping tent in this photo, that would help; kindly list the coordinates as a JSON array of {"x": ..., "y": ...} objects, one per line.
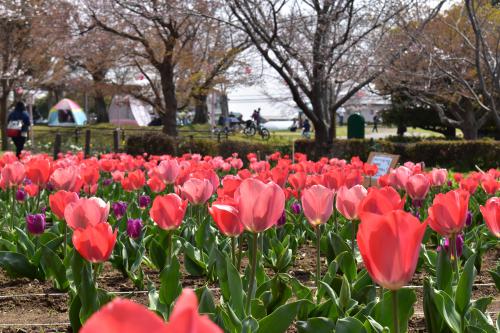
[
  {"x": 127, "y": 110},
  {"x": 67, "y": 113}
]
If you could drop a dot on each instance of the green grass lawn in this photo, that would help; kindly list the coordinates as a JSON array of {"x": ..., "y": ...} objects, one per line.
[{"x": 102, "y": 135}]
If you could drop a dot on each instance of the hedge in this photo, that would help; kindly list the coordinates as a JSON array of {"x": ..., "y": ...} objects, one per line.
[{"x": 460, "y": 155}]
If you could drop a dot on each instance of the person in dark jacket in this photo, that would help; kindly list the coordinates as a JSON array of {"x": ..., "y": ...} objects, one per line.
[{"x": 20, "y": 113}]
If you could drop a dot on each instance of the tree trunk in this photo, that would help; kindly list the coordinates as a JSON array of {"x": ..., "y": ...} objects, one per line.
[
  {"x": 322, "y": 139},
  {"x": 99, "y": 103},
  {"x": 200, "y": 109},
  {"x": 3, "y": 121},
  {"x": 100, "y": 108},
  {"x": 169, "y": 114},
  {"x": 470, "y": 131},
  {"x": 224, "y": 105}
]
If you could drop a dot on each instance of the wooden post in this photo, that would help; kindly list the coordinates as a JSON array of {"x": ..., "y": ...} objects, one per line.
[
  {"x": 77, "y": 134},
  {"x": 87, "y": 143},
  {"x": 116, "y": 140},
  {"x": 57, "y": 145}
]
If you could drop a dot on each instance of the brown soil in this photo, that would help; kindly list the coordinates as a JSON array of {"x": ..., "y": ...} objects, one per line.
[{"x": 40, "y": 308}]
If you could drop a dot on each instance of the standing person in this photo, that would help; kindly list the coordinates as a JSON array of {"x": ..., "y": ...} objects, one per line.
[
  {"x": 256, "y": 116},
  {"x": 375, "y": 123},
  {"x": 306, "y": 128},
  {"x": 18, "y": 116}
]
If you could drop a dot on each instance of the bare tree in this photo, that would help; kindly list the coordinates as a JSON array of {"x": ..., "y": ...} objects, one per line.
[
  {"x": 453, "y": 67},
  {"x": 320, "y": 48}
]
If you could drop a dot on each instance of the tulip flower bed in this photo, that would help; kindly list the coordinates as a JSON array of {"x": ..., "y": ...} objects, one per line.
[{"x": 205, "y": 244}]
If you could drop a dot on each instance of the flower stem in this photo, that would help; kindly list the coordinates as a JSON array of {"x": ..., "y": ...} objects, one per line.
[
  {"x": 253, "y": 271},
  {"x": 318, "y": 255},
  {"x": 454, "y": 257},
  {"x": 233, "y": 250},
  {"x": 65, "y": 240},
  {"x": 353, "y": 235},
  {"x": 240, "y": 251},
  {"x": 169, "y": 247},
  {"x": 335, "y": 223},
  {"x": 395, "y": 314}
]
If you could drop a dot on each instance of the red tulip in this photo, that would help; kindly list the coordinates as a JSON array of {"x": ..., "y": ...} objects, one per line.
[
  {"x": 123, "y": 315},
  {"x": 95, "y": 242},
  {"x": 458, "y": 177},
  {"x": 438, "y": 176},
  {"x": 59, "y": 200},
  {"x": 469, "y": 184},
  {"x": 38, "y": 171},
  {"x": 370, "y": 169},
  {"x": 279, "y": 175},
  {"x": 381, "y": 201},
  {"x": 390, "y": 245},
  {"x": 197, "y": 191},
  {"x": 317, "y": 202},
  {"x": 298, "y": 180},
  {"x": 134, "y": 181},
  {"x": 156, "y": 184},
  {"x": 490, "y": 185},
  {"x": 186, "y": 319},
  {"x": 66, "y": 179},
  {"x": 348, "y": 200},
  {"x": 84, "y": 212},
  {"x": 90, "y": 173},
  {"x": 417, "y": 186},
  {"x": 230, "y": 184},
  {"x": 333, "y": 179},
  {"x": 260, "y": 205},
  {"x": 227, "y": 219},
  {"x": 168, "y": 211},
  {"x": 491, "y": 215},
  {"x": 448, "y": 212},
  {"x": 32, "y": 189},
  {"x": 13, "y": 174}
]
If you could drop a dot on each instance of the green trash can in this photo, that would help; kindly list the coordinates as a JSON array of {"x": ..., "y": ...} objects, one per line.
[{"x": 355, "y": 127}]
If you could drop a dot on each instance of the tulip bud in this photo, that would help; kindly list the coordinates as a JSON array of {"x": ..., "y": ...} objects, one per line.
[
  {"x": 119, "y": 209},
  {"x": 468, "y": 219},
  {"x": 20, "y": 195},
  {"x": 144, "y": 201},
  {"x": 35, "y": 223},
  {"x": 282, "y": 220},
  {"x": 134, "y": 227},
  {"x": 296, "y": 208}
]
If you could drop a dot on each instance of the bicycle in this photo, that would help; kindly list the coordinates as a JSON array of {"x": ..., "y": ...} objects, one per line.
[{"x": 251, "y": 129}]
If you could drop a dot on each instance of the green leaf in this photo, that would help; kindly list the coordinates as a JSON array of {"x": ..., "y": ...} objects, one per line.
[
  {"x": 444, "y": 272},
  {"x": 464, "y": 288},
  {"x": 54, "y": 268},
  {"x": 206, "y": 300},
  {"x": 349, "y": 325},
  {"x": 87, "y": 292},
  {"x": 249, "y": 325},
  {"x": 194, "y": 260},
  {"x": 382, "y": 311},
  {"x": 345, "y": 294},
  {"x": 444, "y": 305},
  {"x": 235, "y": 288},
  {"x": 479, "y": 319},
  {"x": 170, "y": 286},
  {"x": 281, "y": 319},
  {"x": 316, "y": 325},
  {"x": 495, "y": 275},
  {"x": 74, "y": 313},
  {"x": 347, "y": 265},
  {"x": 18, "y": 265},
  {"x": 433, "y": 320}
]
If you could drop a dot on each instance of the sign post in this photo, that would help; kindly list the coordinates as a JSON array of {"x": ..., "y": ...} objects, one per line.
[{"x": 383, "y": 161}]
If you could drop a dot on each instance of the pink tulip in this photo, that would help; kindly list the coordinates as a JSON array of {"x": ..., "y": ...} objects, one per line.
[
  {"x": 417, "y": 186},
  {"x": 491, "y": 215},
  {"x": 197, "y": 191},
  {"x": 67, "y": 179},
  {"x": 401, "y": 176},
  {"x": 260, "y": 205},
  {"x": 13, "y": 174},
  {"x": 84, "y": 212},
  {"x": 168, "y": 170},
  {"x": 168, "y": 211},
  {"x": 438, "y": 177},
  {"x": 448, "y": 212},
  {"x": 348, "y": 200},
  {"x": 317, "y": 202}
]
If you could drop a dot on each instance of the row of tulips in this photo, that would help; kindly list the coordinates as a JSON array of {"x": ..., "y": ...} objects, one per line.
[{"x": 64, "y": 218}]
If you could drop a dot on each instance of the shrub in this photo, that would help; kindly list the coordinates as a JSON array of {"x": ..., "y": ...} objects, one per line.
[{"x": 151, "y": 143}]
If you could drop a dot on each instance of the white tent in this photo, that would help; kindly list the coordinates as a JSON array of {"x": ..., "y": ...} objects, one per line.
[{"x": 128, "y": 110}]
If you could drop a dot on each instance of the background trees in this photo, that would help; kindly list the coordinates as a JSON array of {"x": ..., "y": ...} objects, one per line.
[{"x": 453, "y": 66}]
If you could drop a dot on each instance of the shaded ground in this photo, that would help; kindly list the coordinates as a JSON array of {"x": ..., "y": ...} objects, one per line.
[{"x": 39, "y": 308}]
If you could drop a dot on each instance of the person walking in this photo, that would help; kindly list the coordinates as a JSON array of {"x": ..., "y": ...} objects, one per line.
[
  {"x": 306, "y": 129},
  {"x": 375, "y": 123},
  {"x": 18, "y": 123}
]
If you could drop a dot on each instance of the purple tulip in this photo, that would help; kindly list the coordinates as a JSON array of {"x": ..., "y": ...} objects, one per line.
[
  {"x": 459, "y": 244},
  {"x": 134, "y": 227},
  {"x": 27, "y": 181},
  {"x": 296, "y": 208},
  {"x": 35, "y": 223},
  {"x": 144, "y": 201},
  {"x": 107, "y": 182},
  {"x": 119, "y": 209},
  {"x": 450, "y": 183},
  {"x": 282, "y": 220},
  {"x": 49, "y": 187},
  {"x": 417, "y": 203},
  {"x": 21, "y": 195},
  {"x": 468, "y": 220}
]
